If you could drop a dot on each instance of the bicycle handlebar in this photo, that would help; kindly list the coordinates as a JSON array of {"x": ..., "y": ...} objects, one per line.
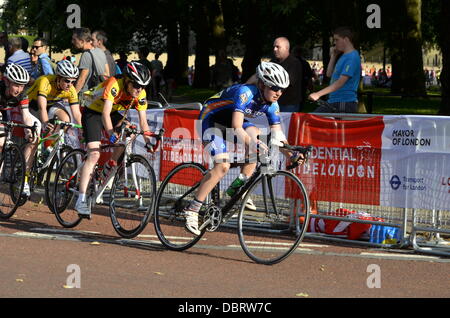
[
  {"x": 11, "y": 124},
  {"x": 303, "y": 150},
  {"x": 149, "y": 146}
]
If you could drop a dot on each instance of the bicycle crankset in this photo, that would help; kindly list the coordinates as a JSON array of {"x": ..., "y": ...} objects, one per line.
[{"x": 212, "y": 218}]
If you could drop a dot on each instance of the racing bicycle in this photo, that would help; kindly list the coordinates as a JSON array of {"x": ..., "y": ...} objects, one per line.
[
  {"x": 267, "y": 234},
  {"x": 132, "y": 186}
]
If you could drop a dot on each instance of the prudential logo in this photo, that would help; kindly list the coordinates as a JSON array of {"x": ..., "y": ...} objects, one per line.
[{"x": 395, "y": 182}]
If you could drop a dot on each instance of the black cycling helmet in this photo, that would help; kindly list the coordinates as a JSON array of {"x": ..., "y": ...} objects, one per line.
[{"x": 137, "y": 73}]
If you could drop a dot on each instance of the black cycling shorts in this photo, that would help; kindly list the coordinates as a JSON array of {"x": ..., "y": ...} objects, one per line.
[{"x": 93, "y": 125}]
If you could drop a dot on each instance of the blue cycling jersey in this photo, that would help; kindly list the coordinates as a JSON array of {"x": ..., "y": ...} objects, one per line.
[
  {"x": 219, "y": 109},
  {"x": 237, "y": 98}
]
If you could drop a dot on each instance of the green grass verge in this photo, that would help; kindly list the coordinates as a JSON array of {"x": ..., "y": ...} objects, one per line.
[{"x": 386, "y": 105}]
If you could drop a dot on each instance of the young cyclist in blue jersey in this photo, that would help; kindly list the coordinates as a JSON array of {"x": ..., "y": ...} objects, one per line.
[{"x": 229, "y": 109}]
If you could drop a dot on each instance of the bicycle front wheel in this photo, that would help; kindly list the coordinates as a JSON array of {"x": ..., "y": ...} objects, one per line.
[
  {"x": 132, "y": 196},
  {"x": 12, "y": 178},
  {"x": 174, "y": 194},
  {"x": 278, "y": 219},
  {"x": 51, "y": 174},
  {"x": 65, "y": 191}
]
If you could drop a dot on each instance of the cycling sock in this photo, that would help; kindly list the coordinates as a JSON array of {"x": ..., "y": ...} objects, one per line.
[
  {"x": 195, "y": 205},
  {"x": 81, "y": 197}
]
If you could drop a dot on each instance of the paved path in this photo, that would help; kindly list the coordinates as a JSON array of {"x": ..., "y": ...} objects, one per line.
[{"x": 41, "y": 259}]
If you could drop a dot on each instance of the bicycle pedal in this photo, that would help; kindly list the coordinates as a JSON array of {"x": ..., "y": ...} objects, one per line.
[{"x": 84, "y": 216}]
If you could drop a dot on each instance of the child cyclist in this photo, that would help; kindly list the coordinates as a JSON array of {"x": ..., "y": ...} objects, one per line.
[
  {"x": 14, "y": 101},
  {"x": 114, "y": 95},
  {"x": 229, "y": 109}
]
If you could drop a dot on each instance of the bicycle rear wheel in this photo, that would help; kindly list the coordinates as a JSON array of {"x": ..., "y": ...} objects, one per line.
[
  {"x": 12, "y": 178},
  {"x": 273, "y": 231},
  {"x": 132, "y": 196},
  {"x": 65, "y": 190},
  {"x": 51, "y": 174},
  {"x": 174, "y": 194}
]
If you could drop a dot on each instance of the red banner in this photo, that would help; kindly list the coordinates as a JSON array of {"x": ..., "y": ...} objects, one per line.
[
  {"x": 181, "y": 142},
  {"x": 345, "y": 161}
]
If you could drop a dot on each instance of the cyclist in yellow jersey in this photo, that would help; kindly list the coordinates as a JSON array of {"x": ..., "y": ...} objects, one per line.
[
  {"x": 108, "y": 99},
  {"x": 50, "y": 94}
]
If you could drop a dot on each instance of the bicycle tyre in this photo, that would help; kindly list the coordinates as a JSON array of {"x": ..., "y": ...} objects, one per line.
[
  {"x": 273, "y": 231},
  {"x": 48, "y": 187},
  {"x": 12, "y": 178},
  {"x": 171, "y": 199},
  {"x": 65, "y": 188},
  {"x": 130, "y": 217}
]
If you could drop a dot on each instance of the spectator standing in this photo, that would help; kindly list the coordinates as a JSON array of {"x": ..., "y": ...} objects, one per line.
[
  {"x": 93, "y": 65},
  {"x": 122, "y": 61},
  {"x": 99, "y": 40},
  {"x": 157, "y": 68},
  {"x": 39, "y": 58},
  {"x": 18, "y": 56},
  {"x": 307, "y": 76},
  {"x": 291, "y": 98},
  {"x": 345, "y": 75}
]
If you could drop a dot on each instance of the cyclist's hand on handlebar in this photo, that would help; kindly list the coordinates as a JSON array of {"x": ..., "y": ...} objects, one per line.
[
  {"x": 113, "y": 138},
  {"x": 314, "y": 97},
  {"x": 297, "y": 158}
]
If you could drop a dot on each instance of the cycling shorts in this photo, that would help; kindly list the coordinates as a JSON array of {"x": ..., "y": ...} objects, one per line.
[
  {"x": 214, "y": 136},
  {"x": 93, "y": 124}
]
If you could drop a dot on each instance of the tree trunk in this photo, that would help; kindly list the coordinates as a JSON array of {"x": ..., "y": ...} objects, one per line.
[
  {"x": 184, "y": 53},
  {"x": 414, "y": 81},
  {"x": 218, "y": 33},
  {"x": 253, "y": 49},
  {"x": 201, "y": 28},
  {"x": 445, "y": 48}
]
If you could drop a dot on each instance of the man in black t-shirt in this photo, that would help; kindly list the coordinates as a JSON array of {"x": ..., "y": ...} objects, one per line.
[{"x": 291, "y": 98}]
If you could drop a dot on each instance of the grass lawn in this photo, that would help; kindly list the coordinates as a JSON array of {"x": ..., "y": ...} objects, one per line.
[{"x": 386, "y": 105}]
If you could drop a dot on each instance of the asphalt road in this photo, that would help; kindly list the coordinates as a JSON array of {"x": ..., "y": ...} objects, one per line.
[{"x": 41, "y": 259}]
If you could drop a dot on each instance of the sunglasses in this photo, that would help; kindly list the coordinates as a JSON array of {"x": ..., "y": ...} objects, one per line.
[
  {"x": 276, "y": 88},
  {"x": 36, "y": 46},
  {"x": 69, "y": 81},
  {"x": 137, "y": 86}
]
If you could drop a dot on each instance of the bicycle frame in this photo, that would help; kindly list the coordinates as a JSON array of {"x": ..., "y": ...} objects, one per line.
[
  {"x": 96, "y": 197},
  {"x": 263, "y": 170}
]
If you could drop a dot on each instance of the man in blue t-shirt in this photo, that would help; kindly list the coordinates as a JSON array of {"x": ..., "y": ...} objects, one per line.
[{"x": 345, "y": 75}]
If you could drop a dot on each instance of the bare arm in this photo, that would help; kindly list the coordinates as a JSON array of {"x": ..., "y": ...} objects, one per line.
[
  {"x": 330, "y": 89},
  {"x": 76, "y": 113},
  {"x": 42, "y": 105},
  {"x": 106, "y": 117},
  {"x": 81, "y": 79}
]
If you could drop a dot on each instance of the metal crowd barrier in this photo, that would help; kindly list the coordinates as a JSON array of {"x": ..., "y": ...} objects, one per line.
[{"x": 424, "y": 231}]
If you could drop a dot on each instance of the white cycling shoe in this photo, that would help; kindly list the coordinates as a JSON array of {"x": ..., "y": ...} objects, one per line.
[
  {"x": 192, "y": 222},
  {"x": 249, "y": 205},
  {"x": 83, "y": 209}
]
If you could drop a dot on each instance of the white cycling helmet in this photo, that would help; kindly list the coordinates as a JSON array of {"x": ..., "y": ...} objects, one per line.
[
  {"x": 17, "y": 74},
  {"x": 272, "y": 74},
  {"x": 67, "y": 69}
]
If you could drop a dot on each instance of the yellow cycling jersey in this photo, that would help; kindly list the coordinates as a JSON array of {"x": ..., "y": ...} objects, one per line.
[
  {"x": 113, "y": 89},
  {"x": 46, "y": 86}
]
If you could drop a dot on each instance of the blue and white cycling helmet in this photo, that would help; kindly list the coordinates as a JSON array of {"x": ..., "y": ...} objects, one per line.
[{"x": 272, "y": 74}]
